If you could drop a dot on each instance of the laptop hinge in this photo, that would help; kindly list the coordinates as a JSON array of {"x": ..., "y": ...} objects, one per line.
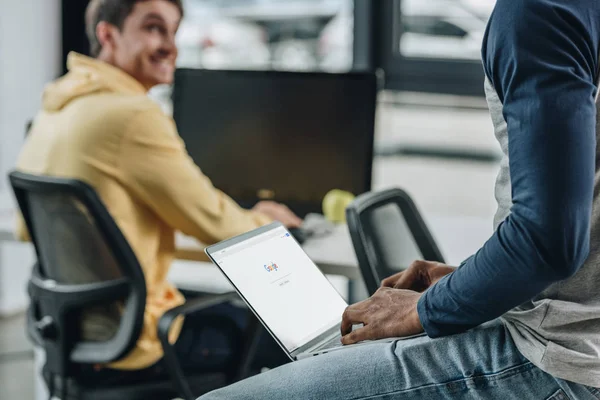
[{"x": 320, "y": 339}]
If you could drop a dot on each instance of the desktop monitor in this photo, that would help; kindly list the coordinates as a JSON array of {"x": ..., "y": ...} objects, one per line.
[{"x": 290, "y": 137}]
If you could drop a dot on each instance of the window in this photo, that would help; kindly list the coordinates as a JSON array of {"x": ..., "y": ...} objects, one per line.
[
  {"x": 430, "y": 26},
  {"x": 298, "y": 35},
  {"x": 431, "y": 45},
  {"x": 421, "y": 45}
]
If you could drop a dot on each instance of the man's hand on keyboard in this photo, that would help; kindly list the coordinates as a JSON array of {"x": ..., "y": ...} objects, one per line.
[
  {"x": 388, "y": 313},
  {"x": 278, "y": 212},
  {"x": 419, "y": 276}
]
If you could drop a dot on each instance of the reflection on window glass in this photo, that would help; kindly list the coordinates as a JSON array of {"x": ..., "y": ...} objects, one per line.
[
  {"x": 300, "y": 35},
  {"x": 443, "y": 29}
]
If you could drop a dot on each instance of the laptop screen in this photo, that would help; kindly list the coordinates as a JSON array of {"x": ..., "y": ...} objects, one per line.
[{"x": 283, "y": 286}]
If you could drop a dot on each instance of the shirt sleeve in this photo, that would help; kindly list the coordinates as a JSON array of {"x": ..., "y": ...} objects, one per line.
[
  {"x": 156, "y": 167},
  {"x": 542, "y": 59}
]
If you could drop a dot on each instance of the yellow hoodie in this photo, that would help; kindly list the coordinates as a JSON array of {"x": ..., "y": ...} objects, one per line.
[{"x": 98, "y": 125}]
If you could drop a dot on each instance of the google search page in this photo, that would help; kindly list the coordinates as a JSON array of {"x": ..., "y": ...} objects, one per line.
[{"x": 283, "y": 285}]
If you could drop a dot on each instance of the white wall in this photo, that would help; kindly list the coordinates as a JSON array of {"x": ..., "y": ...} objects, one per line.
[{"x": 30, "y": 56}]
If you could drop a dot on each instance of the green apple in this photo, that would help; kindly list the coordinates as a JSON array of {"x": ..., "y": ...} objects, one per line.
[{"x": 335, "y": 203}]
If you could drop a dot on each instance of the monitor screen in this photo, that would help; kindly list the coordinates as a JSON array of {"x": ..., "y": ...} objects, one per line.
[
  {"x": 282, "y": 285},
  {"x": 287, "y": 136}
]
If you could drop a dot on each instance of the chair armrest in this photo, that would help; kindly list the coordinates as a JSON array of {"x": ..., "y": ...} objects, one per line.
[
  {"x": 164, "y": 325},
  {"x": 191, "y": 306}
]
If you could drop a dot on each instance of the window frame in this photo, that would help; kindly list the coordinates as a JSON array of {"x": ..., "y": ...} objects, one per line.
[{"x": 377, "y": 32}]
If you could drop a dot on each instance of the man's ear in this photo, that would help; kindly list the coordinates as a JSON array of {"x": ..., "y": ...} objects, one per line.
[{"x": 105, "y": 33}]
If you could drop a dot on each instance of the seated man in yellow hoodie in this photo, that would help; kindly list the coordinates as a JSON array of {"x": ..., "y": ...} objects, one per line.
[{"x": 98, "y": 125}]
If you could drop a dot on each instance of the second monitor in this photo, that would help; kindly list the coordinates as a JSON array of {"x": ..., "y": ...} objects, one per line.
[{"x": 284, "y": 136}]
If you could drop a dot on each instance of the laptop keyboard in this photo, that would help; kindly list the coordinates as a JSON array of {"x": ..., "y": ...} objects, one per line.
[{"x": 334, "y": 342}]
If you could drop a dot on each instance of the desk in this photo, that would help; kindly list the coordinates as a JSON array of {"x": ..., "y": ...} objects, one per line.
[
  {"x": 458, "y": 238},
  {"x": 333, "y": 253}
]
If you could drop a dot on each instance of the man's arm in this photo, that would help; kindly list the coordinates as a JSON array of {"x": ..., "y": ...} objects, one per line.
[
  {"x": 156, "y": 167},
  {"x": 542, "y": 59}
]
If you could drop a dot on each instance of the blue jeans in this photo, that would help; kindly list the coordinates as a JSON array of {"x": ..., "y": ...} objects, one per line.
[{"x": 482, "y": 363}]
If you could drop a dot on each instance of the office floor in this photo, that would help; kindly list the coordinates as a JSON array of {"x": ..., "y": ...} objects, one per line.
[
  {"x": 16, "y": 360},
  {"x": 439, "y": 186}
]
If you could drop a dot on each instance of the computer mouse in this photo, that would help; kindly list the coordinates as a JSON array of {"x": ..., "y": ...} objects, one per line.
[{"x": 299, "y": 234}]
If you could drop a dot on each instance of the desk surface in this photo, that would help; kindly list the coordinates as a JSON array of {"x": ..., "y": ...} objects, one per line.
[
  {"x": 458, "y": 238},
  {"x": 333, "y": 253}
]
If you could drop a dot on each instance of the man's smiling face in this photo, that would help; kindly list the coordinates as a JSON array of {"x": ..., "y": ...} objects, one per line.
[{"x": 145, "y": 46}]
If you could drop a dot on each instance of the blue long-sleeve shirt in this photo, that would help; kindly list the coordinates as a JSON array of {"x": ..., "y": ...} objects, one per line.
[{"x": 541, "y": 56}]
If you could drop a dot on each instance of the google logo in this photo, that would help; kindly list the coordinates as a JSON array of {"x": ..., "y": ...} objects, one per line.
[{"x": 271, "y": 267}]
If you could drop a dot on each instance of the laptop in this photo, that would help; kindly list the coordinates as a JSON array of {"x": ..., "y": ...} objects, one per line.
[{"x": 286, "y": 291}]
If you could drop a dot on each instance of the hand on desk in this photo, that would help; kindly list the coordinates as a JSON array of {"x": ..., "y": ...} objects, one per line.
[
  {"x": 419, "y": 276},
  {"x": 278, "y": 212},
  {"x": 388, "y": 313}
]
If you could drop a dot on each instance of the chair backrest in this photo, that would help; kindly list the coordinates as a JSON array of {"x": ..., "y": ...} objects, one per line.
[
  {"x": 86, "y": 275},
  {"x": 388, "y": 234}
]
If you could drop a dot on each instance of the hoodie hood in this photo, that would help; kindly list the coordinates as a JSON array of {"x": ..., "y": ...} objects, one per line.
[{"x": 86, "y": 76}]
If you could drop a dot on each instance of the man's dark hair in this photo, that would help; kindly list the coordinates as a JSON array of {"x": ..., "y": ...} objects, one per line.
[{"x": 112, "y": 11}]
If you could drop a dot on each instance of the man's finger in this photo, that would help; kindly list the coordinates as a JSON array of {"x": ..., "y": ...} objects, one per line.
[
  {"x": 351, "y": 316},
  {"x": 390, "y": 281},
  {"x": 407, "y": 280},
  {"x": 297, "y": 221},
  {"x": 292, "y": 219},
  {"x": 358, "y": 335}
]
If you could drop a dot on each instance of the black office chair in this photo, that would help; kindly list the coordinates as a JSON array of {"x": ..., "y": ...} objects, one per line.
[
  {"x": 86, "y": 270},
  {"x": 388, "y": 234}
]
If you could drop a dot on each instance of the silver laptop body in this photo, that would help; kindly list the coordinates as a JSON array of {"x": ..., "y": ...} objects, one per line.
[{"x": 284, "y": 289}]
